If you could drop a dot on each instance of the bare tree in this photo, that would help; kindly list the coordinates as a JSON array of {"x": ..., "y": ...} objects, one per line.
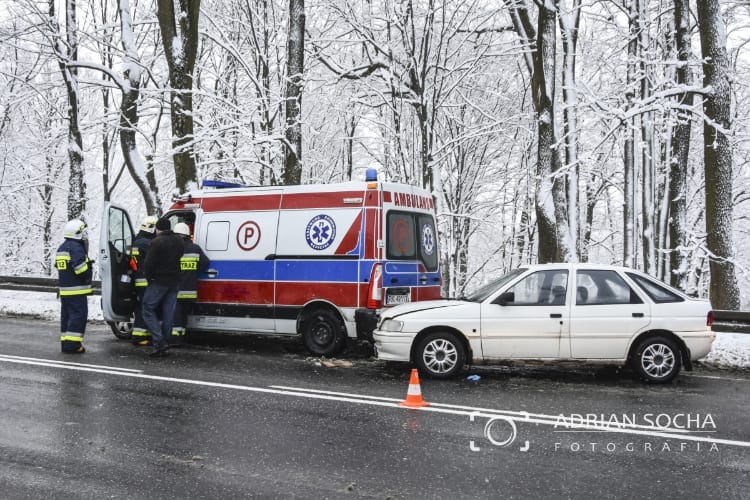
[
  {"x": 717, "y": 152},
  {"x": 67, "y": 55},
  {"x": 678, "y": 169},
  {"x": 292, "y": 173},
  {"x": 179, "y": 32}
]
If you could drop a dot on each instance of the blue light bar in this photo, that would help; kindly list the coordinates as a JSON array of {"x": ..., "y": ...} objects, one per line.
[
  {"x": 220, "y": 184},
  {"x": 371, "y": 175}
]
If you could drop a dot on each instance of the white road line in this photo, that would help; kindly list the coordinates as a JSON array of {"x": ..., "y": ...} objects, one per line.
[
  {"x": 714, "y": 377},
  {"x": 374, "y": 401},
  {"x": 56, "y": 362}
]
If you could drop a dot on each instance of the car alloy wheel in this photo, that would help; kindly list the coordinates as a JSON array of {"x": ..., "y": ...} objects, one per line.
[
  {"x": 658, "y": 359},
  {"x": 440, "y": 355}
]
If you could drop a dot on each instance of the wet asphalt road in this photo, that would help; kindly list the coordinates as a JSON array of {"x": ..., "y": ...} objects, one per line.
[{"x": 232, "y": 416}]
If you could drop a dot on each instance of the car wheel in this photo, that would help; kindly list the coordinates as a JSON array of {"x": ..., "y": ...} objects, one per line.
[
  {"x": 122, "y": 329},
  {"x": 657, "y": 359},
  {"x": 440, "y": 355},
  {"x": 323, "y": 333}
]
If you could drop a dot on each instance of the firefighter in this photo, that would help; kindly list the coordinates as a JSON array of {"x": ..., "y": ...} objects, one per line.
[
  {"x": 193, "y": 262},
  {"x": 138, "y": 251},
  {"x": 74, "y": 272}
]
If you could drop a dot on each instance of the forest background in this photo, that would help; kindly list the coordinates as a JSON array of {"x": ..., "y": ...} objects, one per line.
[{"x": 546, "y": 130}]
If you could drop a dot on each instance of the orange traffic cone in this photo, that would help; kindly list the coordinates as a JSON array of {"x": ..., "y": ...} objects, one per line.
[{"x": 414, "y": 394}]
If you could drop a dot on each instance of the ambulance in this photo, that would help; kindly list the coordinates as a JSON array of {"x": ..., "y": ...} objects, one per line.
[{"x": 319, "y": 261}]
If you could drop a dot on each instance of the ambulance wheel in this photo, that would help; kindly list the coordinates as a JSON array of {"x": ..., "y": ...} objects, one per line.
[
  {"x": 323, "y": 333},
  {"x": 122, "y": 329}
]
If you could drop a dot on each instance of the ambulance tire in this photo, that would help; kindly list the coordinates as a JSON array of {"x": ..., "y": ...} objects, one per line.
[
  {"x": 323, "y": 333},
  {"x": 122, "y": 329}
]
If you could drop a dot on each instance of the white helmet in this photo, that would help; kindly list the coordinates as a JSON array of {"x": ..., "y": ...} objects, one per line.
[
  {"x": 149, "y": 224},
  {"x": 181, "y": 228},
  {"x": 76, "y": 229}
]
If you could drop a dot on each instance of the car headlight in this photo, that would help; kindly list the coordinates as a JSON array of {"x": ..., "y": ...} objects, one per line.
[{"x": 391, "y": 325}]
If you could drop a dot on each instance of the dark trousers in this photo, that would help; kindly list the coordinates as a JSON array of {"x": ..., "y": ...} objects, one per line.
[
  {"x": 159, "y": 300},
  {"x": 140, "y": 331},
  {"x": 74, "y": 311}
]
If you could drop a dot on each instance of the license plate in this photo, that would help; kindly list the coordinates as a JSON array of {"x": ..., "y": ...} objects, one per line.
[{"x": 397, "y": 299}]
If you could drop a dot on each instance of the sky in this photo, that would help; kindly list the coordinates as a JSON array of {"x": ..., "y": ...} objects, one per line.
[{"x": 729, "y": 351}]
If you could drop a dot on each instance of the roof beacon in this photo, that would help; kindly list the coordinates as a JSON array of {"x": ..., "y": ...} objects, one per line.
[
  {"x": 220, "y": 184},
  {"x": 371, "y": 175}
]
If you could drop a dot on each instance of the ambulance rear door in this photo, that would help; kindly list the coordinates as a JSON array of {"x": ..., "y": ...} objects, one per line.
[
  {"x": 115, "y": 240},
  {"x": 411, "y": 272}
]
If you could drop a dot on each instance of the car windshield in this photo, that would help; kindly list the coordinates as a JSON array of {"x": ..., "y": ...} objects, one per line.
[{"x": 483, "y": 292}]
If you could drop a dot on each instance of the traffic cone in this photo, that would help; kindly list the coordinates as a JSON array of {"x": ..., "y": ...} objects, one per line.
[{"x": 414, "y": 394}]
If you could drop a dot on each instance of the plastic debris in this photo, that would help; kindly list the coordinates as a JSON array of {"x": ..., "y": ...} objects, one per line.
[{"x": 473, "y": 378}]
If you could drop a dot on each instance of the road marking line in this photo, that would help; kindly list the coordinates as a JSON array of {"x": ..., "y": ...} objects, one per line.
[
  {"x": 374, "y": 401},
  {"x": 714, "y": 377},
  {"x": 56, "y": 362}
]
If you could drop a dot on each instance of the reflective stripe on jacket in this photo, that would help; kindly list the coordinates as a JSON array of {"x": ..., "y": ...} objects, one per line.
[{"x": 73, "y": 269}]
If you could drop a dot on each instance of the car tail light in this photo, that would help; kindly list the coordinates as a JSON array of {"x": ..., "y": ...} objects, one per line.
[
  {"x": 710, "y": 319},
  {"x": 375, "y": 292}
]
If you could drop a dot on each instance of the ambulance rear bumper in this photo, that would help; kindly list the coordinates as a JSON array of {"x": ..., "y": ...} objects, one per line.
[{"x": 366, "y": 321}]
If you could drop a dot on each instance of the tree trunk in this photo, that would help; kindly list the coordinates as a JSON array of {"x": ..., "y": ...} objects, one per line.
[
  {"x": 129, "y": 115},
  {"x": 569, "y": 21},
  {"x": 181, "y": 61},
  {"x": 292, "y": 173},
  {"x": 648, "y": 211},
  {"x": 723, "y": 289},
  {"x": 543, "y": 87},
  {"x": 678, "y": 168},
  {"x": 66, "y": 54},
  {"x": 629, "y": 206}
]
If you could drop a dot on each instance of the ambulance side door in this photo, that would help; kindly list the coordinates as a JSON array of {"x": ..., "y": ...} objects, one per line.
[
  {"x": 115, "y": 239},
  {"x": 240, "y": 246}
]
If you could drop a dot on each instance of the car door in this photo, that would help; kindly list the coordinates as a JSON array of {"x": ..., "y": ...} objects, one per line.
[
  {"x": 607, "y": 313},
  {"x": 528, "y": 319},
  {"x": 115, "y": 240}
]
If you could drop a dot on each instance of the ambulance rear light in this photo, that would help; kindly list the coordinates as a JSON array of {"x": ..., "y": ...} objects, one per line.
[{"x": 375, "y": 292}]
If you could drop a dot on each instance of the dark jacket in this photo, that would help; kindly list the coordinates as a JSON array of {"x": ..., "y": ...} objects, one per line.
[
  {"x": 162, "y": 264},
  {"x": 73, "y": 268},
  {"x": 138, "y": 252},
  {"x": 192, "y": 262}
]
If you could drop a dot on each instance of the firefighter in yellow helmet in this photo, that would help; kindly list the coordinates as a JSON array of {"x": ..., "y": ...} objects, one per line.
[
  {"x": 74, "y": 272},
  {"x": 138, "y": 251}
]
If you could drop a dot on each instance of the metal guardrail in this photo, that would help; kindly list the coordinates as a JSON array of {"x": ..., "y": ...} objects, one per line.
[
  {"x": 731, "y": 321},
  {"x": 49, "y": 285},
  {"x": 724, "y": 321}
]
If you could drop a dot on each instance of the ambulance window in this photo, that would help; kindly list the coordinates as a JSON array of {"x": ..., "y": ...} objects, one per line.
[
  {"x": 428, "y": 242},
  {"x": 217, "y": 236},
  {"x": 401, "y": 236}
]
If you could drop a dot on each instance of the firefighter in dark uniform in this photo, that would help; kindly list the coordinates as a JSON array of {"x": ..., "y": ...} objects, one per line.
[
  {"x": 192, "y": 262},
  {"x": 147, "y": 232},
  {"x": 74, "y": 272}
]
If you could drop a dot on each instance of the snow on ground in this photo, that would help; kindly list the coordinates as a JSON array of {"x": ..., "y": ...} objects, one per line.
[{"x": 730, "y": 350}]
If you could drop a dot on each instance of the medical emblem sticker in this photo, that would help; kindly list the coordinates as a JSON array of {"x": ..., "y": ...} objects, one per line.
[
  {"x": 320, "y": 232},
  {"x": 428, "y": 239}
]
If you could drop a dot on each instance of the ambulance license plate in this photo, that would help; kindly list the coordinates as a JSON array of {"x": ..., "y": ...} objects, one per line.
[{"x": 397, "y": 299}]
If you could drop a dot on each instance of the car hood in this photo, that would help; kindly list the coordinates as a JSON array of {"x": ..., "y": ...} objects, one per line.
[{"x": 424, "y": 305}]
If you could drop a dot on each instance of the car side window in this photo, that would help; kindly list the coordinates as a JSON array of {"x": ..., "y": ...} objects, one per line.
[
  {"x": 600, "y": 287},
  {"x": 542, "y": 288},
  {"x": 658, "y": 292}
]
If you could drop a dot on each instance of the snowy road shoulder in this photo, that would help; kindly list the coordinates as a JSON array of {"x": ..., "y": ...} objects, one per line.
[{"x": 730, "y": 350}]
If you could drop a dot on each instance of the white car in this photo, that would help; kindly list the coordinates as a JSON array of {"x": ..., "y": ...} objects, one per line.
[{"x": 553, "y": 312}]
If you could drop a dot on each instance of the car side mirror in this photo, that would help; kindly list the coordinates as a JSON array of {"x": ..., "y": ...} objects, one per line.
[{"x": 505, "y": 298}]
